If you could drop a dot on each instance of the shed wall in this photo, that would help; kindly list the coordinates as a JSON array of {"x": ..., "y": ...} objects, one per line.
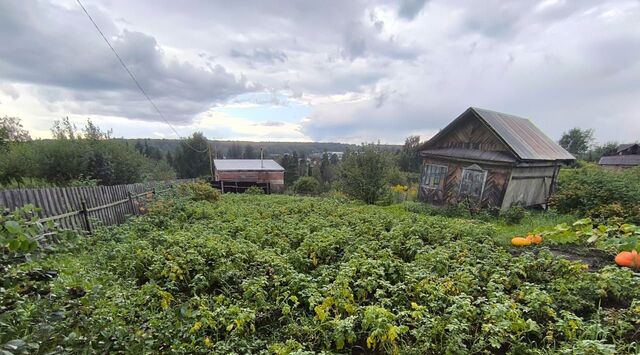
[
  {"x": 494, "y": 187},
  {"x": 529, "y": 186},
  {"x": 274, "y": 177}
]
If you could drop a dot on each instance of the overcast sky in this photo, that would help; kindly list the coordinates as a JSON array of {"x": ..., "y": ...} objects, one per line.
[{"x": 348, "y": 71}]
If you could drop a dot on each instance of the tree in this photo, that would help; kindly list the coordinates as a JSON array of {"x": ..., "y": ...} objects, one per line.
[
  {"x": 290, "y": 165},
  {"x": 235, "y": 151},
  {"x": 100, "y": 168},
  {"x": 249, "y": 152},
  {"x": 11, "y": 130},
  {"x": 577, "y": 141},
  {"x": 409, "y": 158},
  {"x": 169, "y": 158},
  {"x": 64, "y": 129},
  {"x": 93, "y": 132},
  {"x": 334, "y": 159},
  {"x": 192, "y": 157},
  {"x": 326, "y": 170},
  {"x": 363, "y": 173}
]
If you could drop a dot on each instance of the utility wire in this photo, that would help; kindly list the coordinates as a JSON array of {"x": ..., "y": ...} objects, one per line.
[{"x": 136, "y": 81}]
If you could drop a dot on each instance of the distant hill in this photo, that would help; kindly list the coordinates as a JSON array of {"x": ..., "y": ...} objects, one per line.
[{"x": 271, "y": 148}]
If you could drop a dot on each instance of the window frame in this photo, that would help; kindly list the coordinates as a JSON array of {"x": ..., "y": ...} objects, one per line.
[
  {"x": 477, "y": 169},
  {"x": 442, "y": 176}
]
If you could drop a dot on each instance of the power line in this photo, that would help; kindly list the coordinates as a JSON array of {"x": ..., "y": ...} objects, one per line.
[{"x": 135, "y": 80}]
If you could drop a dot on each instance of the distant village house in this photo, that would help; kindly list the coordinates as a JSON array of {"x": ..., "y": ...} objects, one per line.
[
  {"x": 237, "y": 175},
  {"x": 492, "y": 159},
  {"x": 627, "y": 156}
]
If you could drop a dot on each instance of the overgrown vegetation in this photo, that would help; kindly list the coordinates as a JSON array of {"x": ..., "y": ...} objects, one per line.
[
  {"x": 76, "y": 156},
  {"x": 599, "y": 193},
  {"x": 281, "y": 274}
]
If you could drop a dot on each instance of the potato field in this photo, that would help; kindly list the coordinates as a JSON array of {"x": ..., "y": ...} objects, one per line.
[{"x": 301, "y": 275}]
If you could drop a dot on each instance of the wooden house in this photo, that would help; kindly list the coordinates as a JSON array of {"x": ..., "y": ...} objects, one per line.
[
  {"x": 491, "y": 158},
  {"x": 236, "y": 175},
  {"x": 627, "y": 156}
]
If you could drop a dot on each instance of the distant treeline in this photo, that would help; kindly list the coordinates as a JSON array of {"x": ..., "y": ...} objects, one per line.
[{"x": 236, "y": 149}]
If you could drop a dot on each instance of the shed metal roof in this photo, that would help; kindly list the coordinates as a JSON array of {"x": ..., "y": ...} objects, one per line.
[
  {"x": 522, "y": 136},
  {"x": 623, "y": 147},
  {"x": 627, "y": 160},
  {"x": 246, "y": 165},
  {"x": 470, "y": 154}
]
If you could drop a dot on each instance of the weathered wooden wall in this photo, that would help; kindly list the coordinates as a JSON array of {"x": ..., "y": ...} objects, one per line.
[
  {"x": 529, "y": 186},
  {"x": 471, "y": 134},
  {"x": 494, "y": 189},
  {"x": 275, "y": 177},
  {"x": 68, "y": 206}
]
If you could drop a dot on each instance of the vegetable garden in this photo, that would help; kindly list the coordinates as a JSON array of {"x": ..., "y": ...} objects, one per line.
[{"x": 282, "y": 274}]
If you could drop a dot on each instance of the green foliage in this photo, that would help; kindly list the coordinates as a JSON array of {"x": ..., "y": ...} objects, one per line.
[
  {"x": 290, "y": 163},
  {"x": 577, "y": 141},
  {"x": 514, "y": 214},
  {"x": 254, "y": 190},
  {"x": 306, "y": 185},
  {"x": 611, "y": 237},
  {"x": 409, "y": 158},
  {"x": 11, "y": 130},
  {"x": 363, "y": 173},
  {"x": 591, "y": 190},
  {"x": 22, "y": 237},
  {"x": 292, "y": 274},
  {"x": 199, "y": 191},
  {"x": 192, "y": 157},
  {"x": 76, "y": 156}
]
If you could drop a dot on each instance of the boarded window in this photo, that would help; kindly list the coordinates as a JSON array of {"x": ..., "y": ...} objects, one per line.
[
  {"x": 472, "y": 183},
  {"x": 433, "y": 176}
]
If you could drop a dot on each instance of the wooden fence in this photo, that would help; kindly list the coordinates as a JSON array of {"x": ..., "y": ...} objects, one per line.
[{"x": 78, "y": 207}]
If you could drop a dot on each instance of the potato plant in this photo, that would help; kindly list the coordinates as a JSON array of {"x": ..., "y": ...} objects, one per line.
[{"x": 282, "y": 274}]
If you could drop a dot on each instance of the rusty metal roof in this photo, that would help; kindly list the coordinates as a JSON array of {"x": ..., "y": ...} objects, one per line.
[
  {"x": 523, "y": 137},
  {"x": 246, "y": 165},
  {"x": 623, "y": 147},
  {"x": 472, "y": 154},
  {"x": 627, "y": 160}
]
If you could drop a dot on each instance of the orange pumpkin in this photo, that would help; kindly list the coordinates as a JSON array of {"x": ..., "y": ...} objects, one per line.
[
  {"x": 629, "y": 259},
  {"x": 520, "y": 242},
  {"x": 535, "y": 239}
]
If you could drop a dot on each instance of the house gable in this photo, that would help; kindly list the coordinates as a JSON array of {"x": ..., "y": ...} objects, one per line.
[{"x": 468, "y": 132}]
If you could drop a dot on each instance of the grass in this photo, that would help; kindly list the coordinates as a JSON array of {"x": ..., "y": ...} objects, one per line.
[{"x": 531, "y": 221}]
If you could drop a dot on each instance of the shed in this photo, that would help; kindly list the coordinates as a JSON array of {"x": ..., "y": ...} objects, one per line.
[
  {"x": 627, "y": 156},
  {"x": 236, "y": 175},
  {"x": 491, "y": 158}
]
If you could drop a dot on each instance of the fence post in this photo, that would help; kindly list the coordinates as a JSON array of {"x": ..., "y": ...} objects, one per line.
[
  {"x": 133, "y": 206},
  {"x": 85, "y": 215}
]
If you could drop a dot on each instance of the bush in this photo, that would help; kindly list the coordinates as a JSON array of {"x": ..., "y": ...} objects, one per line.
[
  {"x": 514, "y": 214},
  {"x": 586, "y": 190},
  {"x": 307, "y": 185},
  {"x": 199, "y": 191},
  {"x": 254, "y": 190}
]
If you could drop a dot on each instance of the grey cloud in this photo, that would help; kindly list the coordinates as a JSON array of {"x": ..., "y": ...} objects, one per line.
[
  {"x": 58, "y": 47},
  {"x": 409, "y": 9},
  {"x": 9, "y": 90},
  {"x": 261, "y": 55}
]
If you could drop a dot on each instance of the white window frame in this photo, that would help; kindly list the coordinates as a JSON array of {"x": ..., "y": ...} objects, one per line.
[
  {"x": 444, "y": 176},
  {"x": 474, "y": 168}
]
